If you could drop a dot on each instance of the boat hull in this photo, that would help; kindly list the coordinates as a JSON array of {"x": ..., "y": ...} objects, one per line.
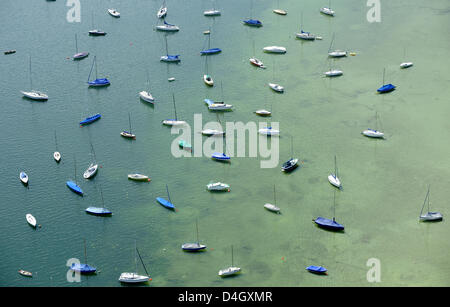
[
  {"x": 132, "y": 278},
  {"x": 165, "y": 203},
  {"x": 229, "y": 271},
  {"x": 193, "y": 247},
  {"x": 98, "y": 211},
  {"x": 328, "y": 224},
  {"x": 74, "y": 188}
]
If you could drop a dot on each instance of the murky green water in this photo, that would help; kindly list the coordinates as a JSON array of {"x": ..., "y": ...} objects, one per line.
[{"x": 384, "y": 182}]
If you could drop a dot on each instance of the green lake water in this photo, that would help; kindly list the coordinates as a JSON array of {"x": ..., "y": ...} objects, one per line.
[{"x": 384, "y": 181}]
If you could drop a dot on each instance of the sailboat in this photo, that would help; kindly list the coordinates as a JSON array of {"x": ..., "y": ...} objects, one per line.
[
  {"x": 327, "y": 10},
  {"x": 174, "y": 122},
  {"x": 254, "y": 61},
  {"x": 333, "y": 178},
  {"x": 273, "y": 207},
  {"x": 292, "y": 163},
  {"x": 336, "y": 53},
  {"x": 23, "y": 177},
  {"x": 317, "y": 269},
  {"x": 90, "y": 119},
  {"x": 56, "y": 154},
  {"x": 373, "y": 133},
  {"x": 212, "y": 12},
  {"x": 231, "y": 270},
  {"x": 31, "y": 220},
  {"x": 83, "y": 268},
  {"x": 405, "y": 64},
  {"x": 97, "y": 82},
  {"x": 32, "y": 94},
  {"x": 72, "y": 185},
  {"x": 274, "y": 49},
  {"x": 96, "y": 32},
  {"x": 252, "y": 22},
  {"x": 167, "y": 27},
  {"x": 162, "y": 12},
  {"x": 138, "y": 177},
  {"x": 333, "y": 72},
  {"x": 327, "y": 223},
  {"x": 210, "y": 50},
  {"x": 218, "y": 186},
  {"x": 305, "y": 35},
  {"x": 386, "y": 88},
  {"x": 164, "y": 202},
  {"x": 269, "y": 131},
  {"x": 128, "y": 134},
  {"x": 145, "y": 95},
  {"x": 114, "y": 13},
  {"x": 79, "y": 55},
  {"x": 221, "y": 156},
  {"x": 429, "y": 216},
  {"x": 218, "y": 105},
  {"x": 169, "y": 58},
  {"x": 206, "y": 77},
  {"x": 194, "y": 247},
  {"x": 100, "y": 211},
  {"x": 135, "y": 277},
  {"x": 91, "y": 171}
]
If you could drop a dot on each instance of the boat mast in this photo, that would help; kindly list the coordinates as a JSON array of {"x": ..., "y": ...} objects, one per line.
[
  {"x": 232, "y": 255},
  {"x": 174, "y": 107},
  {"x": 101, "y": 194},
  {"x": 335, "y": 167},
  {"x": 56, "y": 143},
  {"x": 135, "y": 258},
  {"x": 196, "y": 224},
  {"x": 76, "y": 44},
  {"x": 31, "y": 82},
  {"x": 274, "y": 198},
  {"x": 129, "y": 120},
  {"x": 334, "y": 204},
  {"x": 168, "y": 195},
  {"x": 85, "y": 253},
  {"x": 384, "y": 71},
  {"x": 90, "y": 72},
  {"x": 426, "y": 197},
  {"x": 292, "y": 146},
  {"x": 142, "y": 262},
  {"x": 75, "y": 163}
]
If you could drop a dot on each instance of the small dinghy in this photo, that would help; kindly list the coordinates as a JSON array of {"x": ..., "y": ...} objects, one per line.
[
  {"x": 253, "y": 23},
  {"x": 429, "y": 216},
  {"x": 208, "y": 80},
  {"x": 99, "y": 82},
  {"x": 31, "y": 220},
  {"x": 328, "y": 224},
  {"x": 279, "y": 11},
  {"x": 23, "y": 178},
  {"x": 263, "y": 112},
  {"x": 289, "y": 165},
  {"x": 35, "y": 95},
  {"x": 162, "y": 12},
  {"x": 98, "y": 211},
  {"x": 334, "y": 73},
  {"x": 257, "y": 63},
  {"x": 83, "y": 268},
  {"x": 146, "y": 96},
  {"x": 316, "y": 269},
  {"x": 74, "y": 187},
  {"x": 276, "y": 87},
  {"x": 25, "y": 273},
  {"x": 164, "y": 202},
  {"x": 193, "y": 247},
  {"x": 211, "y": 13},
  {"x": 113, "y": 13},
  {"x": 305, "y": 35},
  {"x": 170, "y": 58},
  {"x": 210, "y": 132},
  {"x": 173, "y": 122},
  {"x": 80, "y": 55},
  {"x": 272, "y": 208},
  {"x": 185, "y": 145},
  {"x": 218, "y": 186},
  {"x": 268, "y": 131},
  {"x": 337, "y": 54},
  {"x": 406, "y": 65},
  {"x": 138, "y": 177},
  {"x": 167, "y": 27},
  {"x": 274, "y": 49},
  {"x": 91, "y": 171},
  {"x": 97, "y": 32},
  {"x": 373, "y": 133},
  {"x": 90, "y": 120},
  {"x": 9, "y": 52},
  {"x": 171, "y": 79}
]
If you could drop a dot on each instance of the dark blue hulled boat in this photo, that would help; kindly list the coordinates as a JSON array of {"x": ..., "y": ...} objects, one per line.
[
  {"x": 253, "y": 23},
  {"x": 211, "y": 51},
  {"x": 91, "y": 119},
  {"x": 98, "y": 211},
  {"x": 74, "y": 187},
  {"x": 83, "y": 268},
  {"x": 220, "y": 156},
  {"x": 164, "y": 202},
  {"x": 328, "y": 224},
  {"x": 386, "y": 88},
  {"x": 317, "y": 269},
  {"x": 97, "y": 82}
]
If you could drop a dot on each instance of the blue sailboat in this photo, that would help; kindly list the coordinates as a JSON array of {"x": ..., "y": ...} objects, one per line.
[
  {"x": 327, "y": 223},
  {"x": 97, "y": 82},
  {"x": 90, "y": 119},
  {"x": 99, "y": 211},
  {"x": 72, "y": 185},
  {"x": 253, "y": 23},
  {"x": 164, "y": 202},
  {"x": 221, "y": 156},
  {"x": 386, "y": 88},
  {"x": 317, "y": 269},
  {"x": 83, "y": 268},
  {"x": 210, "y": 51},
  {"x": 169, "y": 58}
]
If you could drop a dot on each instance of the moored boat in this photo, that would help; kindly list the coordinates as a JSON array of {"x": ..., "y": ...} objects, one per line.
[
  {"x": 138, "y": 177},
  {"x": 90, "y": 119},
  {"x": 23, "y": 178},
  {"x": 31, "y": 219},
  {"x": 91, "y": 171},
  {"x": 316, "y": 269},
  {"x": 114, "y": 13},
  {"x": 25, "y": 273},
  {"x": 257, "y": 62},
  {"x": 274, "y": 49},
  {"x": 218, "y": 186}
]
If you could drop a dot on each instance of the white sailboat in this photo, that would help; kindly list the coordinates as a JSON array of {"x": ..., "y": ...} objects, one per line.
[
  {"x": 31, "y": 220},
  {"x": 114, "y": 13},
  {"x": 162, "y": 12},
  {"x": 333, "y": 178},
  {"x": 274, "y": 49},
  {"x": 134, "y": 277},
  {"x": 213, "y": 11},
  {"x": 304, "y": 35},
  {"x": 373, "y": 133},
  {"x": 231, "y": 270},
  {"x": 429, "y": 216},
  {"x": 145, "y": 95},
  {"x": 273, "y": 207},
  {"x": 174, "y": 122},
  {"x": 327, "y": 10},
  {"x": 268, "y": 131},
  {"x": 56, "y": 154},
  {"x": 336, "y": 53},
  {"x": 91, "y": 171},
  {"x": 32, "y": 94},
  {"x": 210, "y": 132},
  {"x": 170, "y": 58},
  {"x": 218, "y": 186}
]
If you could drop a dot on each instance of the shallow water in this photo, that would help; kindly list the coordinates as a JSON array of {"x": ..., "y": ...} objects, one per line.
[{"x": 384, "y": 181}]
